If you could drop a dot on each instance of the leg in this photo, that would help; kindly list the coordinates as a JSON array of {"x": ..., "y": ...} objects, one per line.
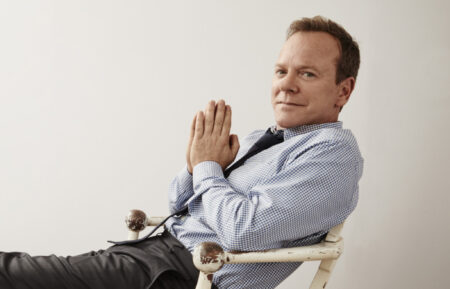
[
  {"x": 92, "y": 270},
  {"x": 160, "y": 262}
]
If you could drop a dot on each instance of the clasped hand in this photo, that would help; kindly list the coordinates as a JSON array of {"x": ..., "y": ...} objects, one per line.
[{"x": 210, "y": 138}]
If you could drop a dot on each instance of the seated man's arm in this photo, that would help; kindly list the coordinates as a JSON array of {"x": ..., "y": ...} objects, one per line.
[{"x": 313, "y": 192}]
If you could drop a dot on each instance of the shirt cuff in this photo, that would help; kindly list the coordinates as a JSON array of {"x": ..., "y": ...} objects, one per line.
[
  {"x": 184, "y": 178},
  {"x": 206, "y": 170}
]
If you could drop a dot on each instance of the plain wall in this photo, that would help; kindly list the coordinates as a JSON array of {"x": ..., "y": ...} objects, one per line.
[{"x": 96, "y": 98}]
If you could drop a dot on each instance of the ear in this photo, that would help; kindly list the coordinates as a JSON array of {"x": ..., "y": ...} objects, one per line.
[{"x": 345, "y": 88}]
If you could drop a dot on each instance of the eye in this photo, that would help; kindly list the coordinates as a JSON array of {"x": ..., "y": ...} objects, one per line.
[
  {"x": 280, "y": 72},
  {"x": 307, "y": 74}
]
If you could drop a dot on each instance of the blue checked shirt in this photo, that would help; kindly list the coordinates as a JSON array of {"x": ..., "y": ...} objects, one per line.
[{"x": 288, "y": 195}]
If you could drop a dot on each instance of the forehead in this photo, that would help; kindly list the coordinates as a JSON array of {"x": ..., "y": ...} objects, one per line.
[{"x": 311, "y": 49}]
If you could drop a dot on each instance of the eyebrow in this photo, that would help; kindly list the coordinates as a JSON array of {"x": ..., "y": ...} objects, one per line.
[{"x": 278, "y": 64}]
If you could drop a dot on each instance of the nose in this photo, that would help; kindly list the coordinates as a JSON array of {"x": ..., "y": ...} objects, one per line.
[{"x": 288, "y": 84}]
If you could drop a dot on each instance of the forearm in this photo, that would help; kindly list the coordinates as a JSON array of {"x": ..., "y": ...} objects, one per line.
[{"x": 234, "y": 216}]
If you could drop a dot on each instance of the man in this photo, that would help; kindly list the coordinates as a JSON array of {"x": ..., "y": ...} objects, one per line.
[{"x": 252, "y": 196}]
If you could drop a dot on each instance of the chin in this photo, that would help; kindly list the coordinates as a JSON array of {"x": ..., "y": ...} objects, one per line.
[
  {"x": 288, "y": 118},
  {"x": 288, "y": 123}
]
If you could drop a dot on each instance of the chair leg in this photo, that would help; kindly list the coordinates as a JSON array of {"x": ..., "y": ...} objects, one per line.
[
  {"x": 204, "y": 281},
  {"x": 323, "y": 274}
]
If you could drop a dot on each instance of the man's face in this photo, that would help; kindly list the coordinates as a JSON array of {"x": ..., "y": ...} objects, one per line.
[{"x": 304, "y": 89}]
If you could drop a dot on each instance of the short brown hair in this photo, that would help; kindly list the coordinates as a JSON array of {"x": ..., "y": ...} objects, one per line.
[{"x": 348, "y": 62}]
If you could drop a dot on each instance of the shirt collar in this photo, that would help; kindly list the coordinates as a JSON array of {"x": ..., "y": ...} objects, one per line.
[{"x": 302, "y": 129}]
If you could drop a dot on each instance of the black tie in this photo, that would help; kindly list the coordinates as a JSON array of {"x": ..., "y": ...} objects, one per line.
[{"x": 268, "y": 139}]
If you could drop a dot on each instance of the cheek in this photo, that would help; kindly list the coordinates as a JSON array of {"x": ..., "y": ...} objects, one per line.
[
  {"x": 273, "y": 94},
  {"x": 323, "y": 95},
  {"x": 274, "y": 87}
]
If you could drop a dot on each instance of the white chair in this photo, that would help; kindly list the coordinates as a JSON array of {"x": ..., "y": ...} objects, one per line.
[{"x": 209, "y": 257}]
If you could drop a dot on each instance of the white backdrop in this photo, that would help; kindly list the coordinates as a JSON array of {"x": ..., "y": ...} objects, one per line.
[{"x": 89, "y": 88}]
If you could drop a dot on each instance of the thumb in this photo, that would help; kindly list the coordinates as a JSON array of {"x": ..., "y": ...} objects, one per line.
[{"x": 234, "y": 144}]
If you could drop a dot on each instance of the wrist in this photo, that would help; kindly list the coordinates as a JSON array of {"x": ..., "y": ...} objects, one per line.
[
  {"x": 205, "y": 163},
  {"x": 206, "y": 168}
]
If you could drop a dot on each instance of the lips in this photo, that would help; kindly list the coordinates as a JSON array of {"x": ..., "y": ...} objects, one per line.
[{"x": 289, "y": 103}]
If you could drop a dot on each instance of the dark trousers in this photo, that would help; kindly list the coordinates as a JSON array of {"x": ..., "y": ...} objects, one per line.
[{"x": 160, "y": 262}]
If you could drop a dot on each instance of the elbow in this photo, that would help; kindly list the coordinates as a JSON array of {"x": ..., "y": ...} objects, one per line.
[
  {"x": 172, "y": 207},
  {"x": 240, "y": 240}
]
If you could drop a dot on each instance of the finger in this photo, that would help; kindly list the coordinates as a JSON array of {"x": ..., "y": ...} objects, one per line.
[
  {"x": 219, "y": 118},
  {"x": 209, "y": 116},
  {"x": 199, "y": 125},
  {"x": 234, "y": 144},
  {"x": 192, "y": 132},
  {"x": 189, "y": 147},
  {"x": 227, "y": 122}
]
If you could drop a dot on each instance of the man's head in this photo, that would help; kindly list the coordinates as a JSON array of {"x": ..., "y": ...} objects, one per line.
[{"x": 315, "y": 73}]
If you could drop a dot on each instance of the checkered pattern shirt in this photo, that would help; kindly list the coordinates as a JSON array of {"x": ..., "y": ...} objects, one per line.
[{"x": 288, "y": 195}]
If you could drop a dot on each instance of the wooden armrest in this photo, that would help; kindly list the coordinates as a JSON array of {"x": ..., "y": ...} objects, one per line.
[
  {"x": 137, "y": 221},
  {"x": 210, "y": 257}
]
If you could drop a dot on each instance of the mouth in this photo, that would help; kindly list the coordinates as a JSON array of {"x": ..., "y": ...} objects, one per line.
[{"x": 289, "y": 103}]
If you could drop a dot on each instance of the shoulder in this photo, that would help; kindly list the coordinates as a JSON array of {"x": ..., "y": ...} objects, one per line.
[{"x": 330, "y": 143}]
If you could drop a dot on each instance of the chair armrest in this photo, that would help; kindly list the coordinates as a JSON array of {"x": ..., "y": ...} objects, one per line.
[
  {"x": 210, "y": 256},
  {"x": 320, "y": 251},
  {"x": 137, "y": 221},
  {"x": 154, "y": 221}
]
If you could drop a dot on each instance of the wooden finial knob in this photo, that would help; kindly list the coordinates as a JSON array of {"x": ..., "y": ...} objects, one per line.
[
  {"x": 208, "y": 257},
  {"x": 136, "y": 220}
]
